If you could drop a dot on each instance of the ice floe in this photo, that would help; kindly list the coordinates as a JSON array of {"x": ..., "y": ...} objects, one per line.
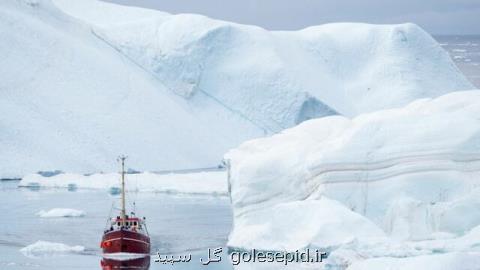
[
  {"x": 60, "y": 212},
  {"x": 47, "y": 249}
]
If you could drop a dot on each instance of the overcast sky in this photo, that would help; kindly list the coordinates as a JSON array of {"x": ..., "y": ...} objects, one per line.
[{"x": 435, "y": 16}]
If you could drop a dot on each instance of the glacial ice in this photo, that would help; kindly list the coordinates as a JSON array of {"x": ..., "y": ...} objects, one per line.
[
  {"x": 71, "y": 102},
  {"x": 390, "y": 171},
  {"x": 299, "y": 224},
  {"x": 85, "y": 81},
  {"x": 268, "y": 76},
  {"x": 412, "y": 172}
]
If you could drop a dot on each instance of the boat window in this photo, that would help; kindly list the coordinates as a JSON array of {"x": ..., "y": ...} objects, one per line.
[
  {"x": 135, "y": 223},
  {"x": 118, "y": 224}
]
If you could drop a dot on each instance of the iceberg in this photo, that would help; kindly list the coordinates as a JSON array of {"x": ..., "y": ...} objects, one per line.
[
  {"x": 70, "y": 102},
  {"x": 48, "y": 249},
  {"x": 274, "y": 77},
  {"x": 60, "y": 212},
  {"x": 85, "y": 81},
  {"x": 410, "y": 173}
]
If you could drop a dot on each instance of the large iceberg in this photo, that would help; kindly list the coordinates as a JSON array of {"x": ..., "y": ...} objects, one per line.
[
  {"x": 83, "y": 81},
  {"x": 69, "y": 101},
  {"x": 401, "y": 175},
  {"x": 277, "y": 79}
]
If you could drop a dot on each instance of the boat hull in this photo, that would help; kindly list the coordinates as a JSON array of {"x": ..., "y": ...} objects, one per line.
[{"x": 123, "y": 241}]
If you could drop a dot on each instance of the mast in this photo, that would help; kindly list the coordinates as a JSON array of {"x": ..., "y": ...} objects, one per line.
[{"x": 123, "y": 213}]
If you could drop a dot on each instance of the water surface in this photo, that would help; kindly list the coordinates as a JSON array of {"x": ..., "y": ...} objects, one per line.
[{"x": 178, "y": 224}]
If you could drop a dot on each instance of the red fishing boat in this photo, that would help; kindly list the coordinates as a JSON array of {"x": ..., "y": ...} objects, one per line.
[{"x": 126, "y": 234}]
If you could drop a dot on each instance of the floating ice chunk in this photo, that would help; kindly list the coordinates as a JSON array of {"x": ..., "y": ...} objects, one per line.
[
  {"x": 72, "y": 187},
  {"x": 115, "y": 190},
  {"x": 61, "y": 212},
  {"x": 47, "y": 249}
]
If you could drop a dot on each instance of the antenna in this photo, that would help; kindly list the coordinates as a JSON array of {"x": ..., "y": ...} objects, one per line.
[{"x": 123, "y": 215}]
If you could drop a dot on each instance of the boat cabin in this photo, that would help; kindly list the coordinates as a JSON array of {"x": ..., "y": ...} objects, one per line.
[{"x": 131, "y": 223}]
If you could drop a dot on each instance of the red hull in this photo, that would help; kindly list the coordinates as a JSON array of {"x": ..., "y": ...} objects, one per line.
[{"x": 125, "y": 241}]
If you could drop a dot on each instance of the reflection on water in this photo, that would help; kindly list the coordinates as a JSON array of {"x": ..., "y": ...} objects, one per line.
[{"x": 137, "y": 263}]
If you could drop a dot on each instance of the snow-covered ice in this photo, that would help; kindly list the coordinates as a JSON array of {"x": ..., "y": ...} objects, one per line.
[
  {"x": 71, "y": 102},
  {"x": 47, "y": 249},
  {"x": 412, "y": 172},
  {"x": 178, "y": 91},
  {"x": 388, "y": 178},
  {"x": 347, "y": 68},
  {"x": 322, "y": 222},
  {"x": 60, "y": 212},
  {"x": 208, "y": 183}
]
